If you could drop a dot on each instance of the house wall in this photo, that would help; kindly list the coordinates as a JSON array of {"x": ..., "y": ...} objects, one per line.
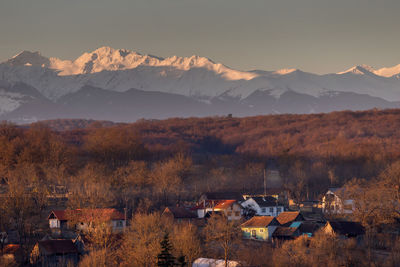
[
  {"x": 262, "y": 233},
  {"x": 54, "y": 223},
  {"x": 118, "y": 225},
  {"x": 336, "y": 205},
  {"x": 263, "y": 211},
  {"x": 234, "y": 212},
  {"x": 270, "y": 211},
  {"x": 200, "y": 213}
]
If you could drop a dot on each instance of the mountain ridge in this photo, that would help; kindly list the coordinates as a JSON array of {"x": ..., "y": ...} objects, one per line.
[{"x": 211, "y": 88}]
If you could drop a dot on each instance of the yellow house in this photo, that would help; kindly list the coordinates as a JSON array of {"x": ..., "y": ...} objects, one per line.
[{"x": 259, "y": 227}]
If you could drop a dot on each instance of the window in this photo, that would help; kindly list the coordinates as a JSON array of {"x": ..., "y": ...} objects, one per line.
[
  {"x": 229, "y": 213},
  {"x": 279, "y": 209},
  {"x": 119, "y": 223},
  {"x": 261, "y": 230},
  {"x": 263, "y": 210},
  {"x": 237, "y": 213},
  {"x": 271, "y": 209}
]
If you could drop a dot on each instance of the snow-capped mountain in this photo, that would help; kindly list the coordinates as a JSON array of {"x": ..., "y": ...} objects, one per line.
[{"x": 210, "y": 88}]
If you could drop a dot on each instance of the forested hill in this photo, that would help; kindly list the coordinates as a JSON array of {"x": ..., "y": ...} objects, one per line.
[
  {"x": 311, "y": 152},
  {"x": 365, "y": 140}
]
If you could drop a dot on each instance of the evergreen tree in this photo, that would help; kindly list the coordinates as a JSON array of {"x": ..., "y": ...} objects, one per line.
[
  {"x": 165, "y": 258},
  {"x": 181, "y": 261}
]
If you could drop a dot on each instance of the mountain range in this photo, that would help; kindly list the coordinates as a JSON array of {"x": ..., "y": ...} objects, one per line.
[{"x": 122, "y": 85}]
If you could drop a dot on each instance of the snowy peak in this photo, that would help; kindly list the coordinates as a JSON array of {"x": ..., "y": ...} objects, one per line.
[
  {"x": 285, "y": 71},
  {"x": 110, "y": 59},
  {"x": 389, "y": 72},
  {"x": 28, "y": 58},
  {"x": 359, "y": 70}
]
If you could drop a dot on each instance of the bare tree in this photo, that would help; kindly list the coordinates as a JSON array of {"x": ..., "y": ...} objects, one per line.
[
  {"x": 223, "y": 233},
  {"x": 185, "y": 242}
]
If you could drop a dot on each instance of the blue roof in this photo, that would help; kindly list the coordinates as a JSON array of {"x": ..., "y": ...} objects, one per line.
[{"x": 295, "y": 224}]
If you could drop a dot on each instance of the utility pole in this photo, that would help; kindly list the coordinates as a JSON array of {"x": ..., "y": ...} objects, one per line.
[{"x": 265, "y": 183}]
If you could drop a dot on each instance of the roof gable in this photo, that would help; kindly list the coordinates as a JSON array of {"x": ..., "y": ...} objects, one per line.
[
  {"x": 347, "y": 228},
  {"x": 260, "y": 221},
  {"x": 287, "y": 217},
  {"x": 282, "y": 231},
  {"x": 267, "y": 201}
]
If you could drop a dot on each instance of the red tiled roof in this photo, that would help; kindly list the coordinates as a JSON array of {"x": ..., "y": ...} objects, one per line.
[
  {"x": 224, "y": 204},
  {"x": 11, "y": 249},
  {"x": 287, "y": 217},
  {"x": 259, "y": 221},
  {"x": 58, "y": 246},
  {"x": 217, "y": 204},
  {"x": 86, "y": 215}
]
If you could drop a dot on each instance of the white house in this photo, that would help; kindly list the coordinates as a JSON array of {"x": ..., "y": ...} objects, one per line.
[
  {"x": 335, "y": 202},
  {"x": 205, "y": 262},
  {"x": 263, "y": 206}
]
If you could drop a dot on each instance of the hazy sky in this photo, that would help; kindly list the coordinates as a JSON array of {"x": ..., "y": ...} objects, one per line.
[{"x": 314, "y": 35}]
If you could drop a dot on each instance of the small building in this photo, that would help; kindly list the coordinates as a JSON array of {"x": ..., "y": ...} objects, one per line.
[
  {"x": 306, "y": 228},
  {"x": 344, "y": 229},
  {"x": 282, "y": 233},
  {"x": 205, "y": 262},
  {"x": 230, "y": 208},
  {"x": 81, "y": 219},
  {"x": 263, "y": 206},
  {"x": 9, "y": 254},
  {"x": 335, "y": 202},
  {"x": 56, "y": 252},
  {"x": 282, "y": 195},
  {"x": 287, "y": 217},
  {"x": 310, "y": 206},
  {"x": 179, "y": 214},
  {"x": 259, "y": 228}
]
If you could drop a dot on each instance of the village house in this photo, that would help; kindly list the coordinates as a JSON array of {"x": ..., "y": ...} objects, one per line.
[
  {"x": 344, "y": 229},
  {"x": 334, "y": 202},
  {"x": 263, "y": 206},
  {"x": 230, "y": 208},
  {"x": 307, "y": 228},
  {"x": 294, "y": 230},
  {"x": 56, "y": 252},
  {"x": 282, "y": 233},
  {"x": 206, "y": 262},
  {"x": 179, "y": 214},
  {"x": 282, "y": 195},
  {"x": 259, "y": 228},
  {"x": 287, "y": 217},
  {"x": 81, "y": 219},
  {"x": 9, "y": 254}
]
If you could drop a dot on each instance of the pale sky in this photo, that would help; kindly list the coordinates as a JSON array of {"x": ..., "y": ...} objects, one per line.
[{"x": 320, "y": 36}]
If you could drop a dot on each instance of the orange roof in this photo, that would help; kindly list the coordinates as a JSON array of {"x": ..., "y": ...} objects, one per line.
[
  {"x": 260, "y": 221},
  {"x": 11, "y": 249},
  {"x": 217, "y": 204},
  {"x": 287, "y": 217},
  {"x": 224, "y": 204},
  {"x": 86, "y": 215}
]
